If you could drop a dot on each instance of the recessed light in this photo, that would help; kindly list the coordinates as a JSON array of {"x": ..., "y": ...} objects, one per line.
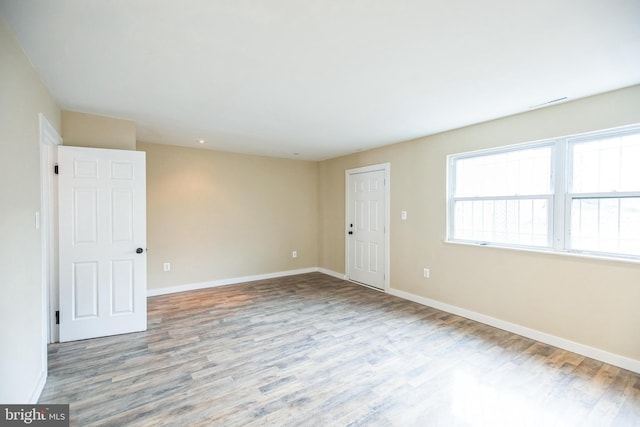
[
  {"x": 201, "y": 141},
  {"x": 296, "y": 154}
]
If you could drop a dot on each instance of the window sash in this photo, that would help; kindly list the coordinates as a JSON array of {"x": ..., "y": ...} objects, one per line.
[
  {"x": 615, "y": 232},
  {"x": 524, "y": 187},
  {"x": 623, "y": 163},
  {"x": 518, "y": 225}
]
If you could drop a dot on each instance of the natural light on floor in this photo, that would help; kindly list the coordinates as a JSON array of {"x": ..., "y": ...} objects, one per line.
[{"x": 479, "y": 404}]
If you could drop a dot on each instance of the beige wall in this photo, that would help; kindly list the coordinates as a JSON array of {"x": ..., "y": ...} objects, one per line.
[
  {"x": 216, "y": 215},
  {"x": 89, "y": 130},
  {"x": 22, "y": 97},
  {"x": 586, "y": 301}
]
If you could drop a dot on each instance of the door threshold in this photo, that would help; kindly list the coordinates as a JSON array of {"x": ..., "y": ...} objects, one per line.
[{"x": 367, "y": 286}]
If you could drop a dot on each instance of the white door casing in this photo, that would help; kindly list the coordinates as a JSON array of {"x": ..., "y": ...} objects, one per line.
[
  {"x": 367, "y": 225},
  {"x": 49, "y": 142},
  {"x": 102, "y": 237}
]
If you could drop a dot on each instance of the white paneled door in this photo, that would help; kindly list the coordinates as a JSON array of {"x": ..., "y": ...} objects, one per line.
[
  {"x": 366, "y": 227},
  {"x": 102, "y": 238}
]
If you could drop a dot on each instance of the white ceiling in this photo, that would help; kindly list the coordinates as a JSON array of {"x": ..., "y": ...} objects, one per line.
[{"x": 321, "y": 78}]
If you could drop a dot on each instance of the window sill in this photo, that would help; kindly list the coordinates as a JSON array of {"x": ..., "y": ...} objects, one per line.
[{"x": 581, "y": 255}]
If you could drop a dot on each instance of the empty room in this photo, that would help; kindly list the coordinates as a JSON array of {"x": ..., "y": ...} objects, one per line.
[{"x": 323, "y": 213}]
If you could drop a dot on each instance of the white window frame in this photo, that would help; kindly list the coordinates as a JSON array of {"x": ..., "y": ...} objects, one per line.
[
  {"x": 559, "y": 201},
  {"x": 570, "y": 196},
  {"x": 500, "y": 150}
]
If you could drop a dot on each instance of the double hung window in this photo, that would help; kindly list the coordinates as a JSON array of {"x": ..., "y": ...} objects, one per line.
[
  {"x": 578, "y": 194},
  {"x": 603, "y": 194}
]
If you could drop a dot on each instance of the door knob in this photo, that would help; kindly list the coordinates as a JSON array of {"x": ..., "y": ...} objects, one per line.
[{"x": 139, "y": 250}]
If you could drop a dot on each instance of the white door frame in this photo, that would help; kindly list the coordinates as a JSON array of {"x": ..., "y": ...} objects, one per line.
[
  {"x": 49, "y": 140},
  {"x": 386, "y": 167}
]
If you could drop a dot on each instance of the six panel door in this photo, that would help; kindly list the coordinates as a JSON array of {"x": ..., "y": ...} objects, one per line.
[
  {"x": 366, "y": 225},
  {"x": 102, "y": 238}
]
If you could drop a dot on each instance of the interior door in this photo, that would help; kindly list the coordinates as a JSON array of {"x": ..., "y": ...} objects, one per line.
[
  {"x": 102, "y": 241},
  {"x": 366, "y": 227}
]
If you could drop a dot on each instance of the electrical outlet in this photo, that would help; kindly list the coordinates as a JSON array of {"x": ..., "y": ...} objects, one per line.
[
  {"x": 166, "y": 266},
  {"x": 426, "y": 273},
  {"x": 294, "y": 254}
]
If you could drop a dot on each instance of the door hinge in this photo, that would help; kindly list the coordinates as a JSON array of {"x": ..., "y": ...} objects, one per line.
[
  {"x": 57, "y": 317},
  {"x": 55, "y": 169}
]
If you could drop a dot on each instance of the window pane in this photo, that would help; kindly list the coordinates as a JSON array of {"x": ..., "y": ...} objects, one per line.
[
  {"x": 517, "y": 172},
  {"x": 606, "y": 165},
  {"x": 610, "y": 225},
  {"x": 518, "y": 222}
]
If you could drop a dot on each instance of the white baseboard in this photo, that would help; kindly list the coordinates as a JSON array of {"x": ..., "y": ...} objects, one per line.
[
  {"x": 37, "y": 391},
  {"x": 223, "y": 282},
  {"x": 585, "y": 350}
]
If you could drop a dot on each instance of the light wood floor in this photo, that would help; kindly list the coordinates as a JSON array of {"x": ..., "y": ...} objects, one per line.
[{"x": 311, "y": 350}]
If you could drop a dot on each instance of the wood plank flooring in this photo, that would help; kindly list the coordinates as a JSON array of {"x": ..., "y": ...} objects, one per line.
[{"x": 312, "y": 350}]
